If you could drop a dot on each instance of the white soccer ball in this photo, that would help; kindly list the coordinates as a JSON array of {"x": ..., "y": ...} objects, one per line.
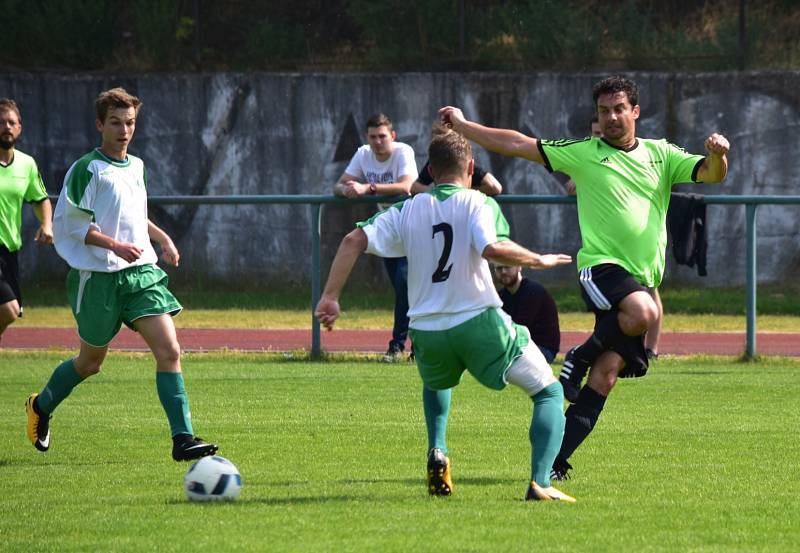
[{"x": 212, "y": 479}]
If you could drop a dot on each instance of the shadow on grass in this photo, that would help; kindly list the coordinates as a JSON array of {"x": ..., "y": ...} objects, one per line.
[
  {"x": 478, "y": 481},
  {"x": 298, "y": 500},
  {"x": 701, "y": 373}
]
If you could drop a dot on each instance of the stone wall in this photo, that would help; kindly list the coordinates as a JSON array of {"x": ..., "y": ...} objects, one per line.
[{"x": 294, "y": 134}]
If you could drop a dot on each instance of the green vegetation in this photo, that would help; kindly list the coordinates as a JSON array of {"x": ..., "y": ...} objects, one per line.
[
  {"x": 208, "y": 306},
  {"x": 425, "y": 35},
  {"x": 332, "y": 459},
  {"x": 370, "y": 319},
  {"x": 782, "y": 299}
]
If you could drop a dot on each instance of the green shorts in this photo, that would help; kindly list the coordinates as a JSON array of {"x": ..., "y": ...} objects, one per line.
[
  {"x": 101, "y": 302},
  {"x": 485, "y": 345}
]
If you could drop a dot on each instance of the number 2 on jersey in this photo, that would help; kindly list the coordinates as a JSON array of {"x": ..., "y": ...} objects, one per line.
[{"x": 441, "y": 274}]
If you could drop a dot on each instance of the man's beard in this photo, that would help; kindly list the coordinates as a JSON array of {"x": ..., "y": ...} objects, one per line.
[{"x": 7, "y": 143}]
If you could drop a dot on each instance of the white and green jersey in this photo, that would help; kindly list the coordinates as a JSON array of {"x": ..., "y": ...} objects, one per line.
[
  {"x": 110, "y": 196},
  {"x": 443, "y": 234},
  {"x": 19, "y": 182},
  {"x": 623, "y": 197}
]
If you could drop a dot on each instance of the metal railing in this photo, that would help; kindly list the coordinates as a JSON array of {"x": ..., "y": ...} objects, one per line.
[{"x": 751, "y": 204}]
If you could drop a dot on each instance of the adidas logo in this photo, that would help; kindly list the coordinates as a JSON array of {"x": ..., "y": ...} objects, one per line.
[{"x": 606, "y": 161}]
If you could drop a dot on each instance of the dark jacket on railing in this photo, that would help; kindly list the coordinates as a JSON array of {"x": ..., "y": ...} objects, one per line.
[{"x": 686, "y": 222}]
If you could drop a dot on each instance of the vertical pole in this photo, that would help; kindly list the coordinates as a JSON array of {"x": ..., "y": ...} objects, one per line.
[
  {"x": 750, "y": 217},
  {"x": 316, "y": 210}
]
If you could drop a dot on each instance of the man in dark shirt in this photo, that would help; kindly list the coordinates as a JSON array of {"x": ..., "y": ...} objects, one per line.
[
  {"x": 481, "y": 180},
  {"x": 529, "y": 304}
]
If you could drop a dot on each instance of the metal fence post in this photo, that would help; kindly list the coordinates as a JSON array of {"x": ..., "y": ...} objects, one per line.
[
  {"x": 750, "y": 217},
  {"x": 316, "y": 211}
]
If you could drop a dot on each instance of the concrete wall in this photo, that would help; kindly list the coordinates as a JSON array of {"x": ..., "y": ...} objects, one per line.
[{"x": 294, "y": 133}]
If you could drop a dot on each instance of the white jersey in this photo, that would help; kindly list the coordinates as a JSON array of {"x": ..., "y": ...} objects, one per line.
[
  {"x": 365, "y": 166},
  {"x": 443, "y": 234},
  {"x": 107, "y": 195}
]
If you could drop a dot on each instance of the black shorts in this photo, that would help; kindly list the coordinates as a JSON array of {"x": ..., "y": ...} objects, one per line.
[
  {"x": 603, "y": 287},
  {"x": 9, "y": 276}
]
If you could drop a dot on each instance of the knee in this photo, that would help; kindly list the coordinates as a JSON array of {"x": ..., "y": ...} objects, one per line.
[
  {"x": 8, "y": 316},
  {"x": 88, "y": 368},
  {"x": 168, "y": 353},
  {"x": 641, "y": 316}
]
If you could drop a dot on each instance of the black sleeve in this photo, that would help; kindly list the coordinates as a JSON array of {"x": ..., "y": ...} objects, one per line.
[
  {"x": 477, "y": 177},
  {"x": 425, "y": 175}
]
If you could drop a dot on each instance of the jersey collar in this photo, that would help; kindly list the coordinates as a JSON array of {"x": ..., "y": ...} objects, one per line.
[{"x": 635, "y": 145}]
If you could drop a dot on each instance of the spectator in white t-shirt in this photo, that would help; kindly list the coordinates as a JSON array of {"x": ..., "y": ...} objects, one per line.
[{"x": 384, "y": 167}]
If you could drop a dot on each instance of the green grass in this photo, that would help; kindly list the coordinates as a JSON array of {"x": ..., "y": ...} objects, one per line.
[
  {"x": 365, "y": 319},
  {"x": 697, "y": 456},
  {"x": 772, "y": 299}
]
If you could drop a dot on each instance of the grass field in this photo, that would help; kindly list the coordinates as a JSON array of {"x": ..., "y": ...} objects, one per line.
[
  {"x": 686, "y": 309},
  {"x": 698, "y": 456},
  {"x": 370, "y": 319}
]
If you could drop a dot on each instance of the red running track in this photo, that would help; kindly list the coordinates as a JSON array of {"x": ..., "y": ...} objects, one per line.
[{"x": 681, "y": 343}]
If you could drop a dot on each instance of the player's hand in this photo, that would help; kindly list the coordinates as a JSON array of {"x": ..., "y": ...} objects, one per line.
[
  {"x": 126, "y": 251},
  {"x": 327, "y": 312},
  {"x": 452, "y": 117},
  {"x": 44, "y": 235},
  {"x": 717, "y": 145},
  {"x": 550, "y": 260},
  {"x": 169, "y": 253},
  {"x": 570, "y": 188}
]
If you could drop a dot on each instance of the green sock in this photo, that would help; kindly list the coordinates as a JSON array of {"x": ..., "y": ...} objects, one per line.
[
  {"x": 175, "y": 402},
  {"x": 437, "y": 408},
  {"x": 547, "y": 431},
  {"x": 61, "y": 383}
]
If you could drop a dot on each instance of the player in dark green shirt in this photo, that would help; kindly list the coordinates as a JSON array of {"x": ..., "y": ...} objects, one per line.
[{"x": 623, "y": 185}]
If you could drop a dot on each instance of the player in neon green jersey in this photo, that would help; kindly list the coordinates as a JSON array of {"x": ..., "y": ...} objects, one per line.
[
  {"x": 102, "y": 231},
  {"x": 19, "y": 182},
  {"x": 455, "y": 317},
  {"x": 623, "y": 185}
]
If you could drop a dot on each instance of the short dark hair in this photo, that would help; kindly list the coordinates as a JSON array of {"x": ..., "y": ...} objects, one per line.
[
  {"x": 7, "y": 104},
  {"x": 594, "y": 118},
  {"x": 449, "y": 152},
  {"x": 115, "y": 98},
  {"x": 379, "y": 120},
  {"x": 612, "y": 85}
]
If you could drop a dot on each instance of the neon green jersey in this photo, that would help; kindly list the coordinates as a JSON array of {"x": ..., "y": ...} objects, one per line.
[
  {"x": 19, "y": 182},
  {"x": 623, "y": 197}
]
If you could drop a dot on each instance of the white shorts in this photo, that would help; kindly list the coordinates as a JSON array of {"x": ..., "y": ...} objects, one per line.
[{"x": 530, "y": 371}]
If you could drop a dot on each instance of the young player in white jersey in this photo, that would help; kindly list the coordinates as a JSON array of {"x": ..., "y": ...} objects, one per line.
[
  {"x": 102, "y": 231},
  {"x": 456, "y": 321}
]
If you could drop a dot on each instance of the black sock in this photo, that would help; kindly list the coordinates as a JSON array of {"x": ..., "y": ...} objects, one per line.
[
  {"x": 607, "y": 333},
  {"x": 581, "y": 418}
]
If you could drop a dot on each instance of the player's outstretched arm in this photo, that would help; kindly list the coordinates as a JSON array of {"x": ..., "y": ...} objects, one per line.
[
  {"x": 715, "y": 166},
  {"x": 501, "y": 141},
  {"x": 353, "y": 245},
  {"x": 509, "y": 252}
]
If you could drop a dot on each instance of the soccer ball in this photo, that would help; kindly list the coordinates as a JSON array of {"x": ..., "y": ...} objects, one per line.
[{"x": 212, "y": 479}]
